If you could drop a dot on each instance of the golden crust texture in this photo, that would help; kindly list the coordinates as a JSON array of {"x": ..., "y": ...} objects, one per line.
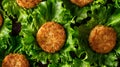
[
  {"x": 102, "y": 39},
  {"x": 1, "y": 20},
  {"x": 27, "y": 3},
  {"x": 81, "y": 3},
  {"x": 15, "y": 60},
  {"x": 51, "y": 37}
]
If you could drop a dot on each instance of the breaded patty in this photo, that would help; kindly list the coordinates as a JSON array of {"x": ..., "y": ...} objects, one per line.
[
  {"x": 81, "y": 3},
  {"x": 27, "y": 3},
  {"x": 51, "y": 37},
  {"x": 102, "y": 39},
  {"x": 15, "y": 60},
  {"x": 1, "y": 20}
]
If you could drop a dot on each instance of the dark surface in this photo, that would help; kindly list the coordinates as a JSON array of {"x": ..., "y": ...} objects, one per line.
[
  {"x": 16, "y": 27},
  {"x": 73, "y": 55},
  {"x": 42, "y": 65},
  {"x": 118, "y": 62}
]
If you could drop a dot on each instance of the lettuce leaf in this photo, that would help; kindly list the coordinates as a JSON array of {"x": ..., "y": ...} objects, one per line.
[
  {"x": 77, "y": 22},
  {"x": 100, "y": 15},
  {"x": 13, "y": 9},
  {"x": 31, "y": 20},
  {"x": 114, "y": 21},
  {"x": 117, "y": 3},
  {"x": 5, "y": 31}
]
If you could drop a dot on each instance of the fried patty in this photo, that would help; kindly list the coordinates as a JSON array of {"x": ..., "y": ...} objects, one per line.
[
  {"x": 51, "y": 37},
  {"x": 15, "y": 60},
  {"x": 81, "y": 3},
  {"x": 102, "y": 39},
  {"x": 27, "y": 3},
  {"x": 1, "y": 20}
]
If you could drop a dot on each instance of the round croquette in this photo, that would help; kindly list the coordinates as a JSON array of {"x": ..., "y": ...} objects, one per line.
[
  {"x": 102, "y": 39},
  {"x": 15, "y": 60},
  {"x": 1, "y": 20},
  {"x": 81, "y": 3},
  {"x": 51, "y": 37},
  {"x": 27, "y": 3}
]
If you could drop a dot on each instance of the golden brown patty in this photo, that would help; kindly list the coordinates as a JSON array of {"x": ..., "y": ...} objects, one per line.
[
  {"x": 15, "y": 60},
  {"x": 102, "y": 39},
  {"x": 27, "y": 3},
  {"x": 51, "y": 37},
  {"x": 81, "y": 3},
  {"x": 1, "y": 20}
]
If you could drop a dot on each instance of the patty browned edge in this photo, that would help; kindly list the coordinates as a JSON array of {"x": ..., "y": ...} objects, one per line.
[
  {"x": 102, "y": 39},
  {"x": 15, "y": 60},
  {"x": 1, "y": 20},
  {"x": 27, "y": 3},
  {"x": 51, "y": 37},
  {"x": 81, "y": 3}
]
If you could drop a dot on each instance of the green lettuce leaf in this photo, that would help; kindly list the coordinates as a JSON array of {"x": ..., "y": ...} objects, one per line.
[
  {"x": 5, "y": 31},
  {"x": 114, "y": 21},
  {"x": 31, "y": 20},
  {"x": 76, "y": 51},
  {"x": 100, "y": 15},
  {"x": 117, "y": 3}
]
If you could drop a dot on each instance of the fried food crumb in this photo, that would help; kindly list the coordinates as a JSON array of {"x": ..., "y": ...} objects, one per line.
[
  {"x": 102, "y": 39},
  {"x": 15, "y": 60},
  {"x": 81, "y": 3},
  {"x": 51, "y": 37},
  {"x": 27, "y": 3}
]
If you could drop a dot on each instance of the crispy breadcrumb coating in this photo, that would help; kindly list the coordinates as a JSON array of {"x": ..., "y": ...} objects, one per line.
[
  {"x": 27, "y": 3},
  {"x": 102, "y": 39},
  {"x": 15, "y": 60},
  {"x": 51, "y": 37},
  {"x": 81, "y": 3}
]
